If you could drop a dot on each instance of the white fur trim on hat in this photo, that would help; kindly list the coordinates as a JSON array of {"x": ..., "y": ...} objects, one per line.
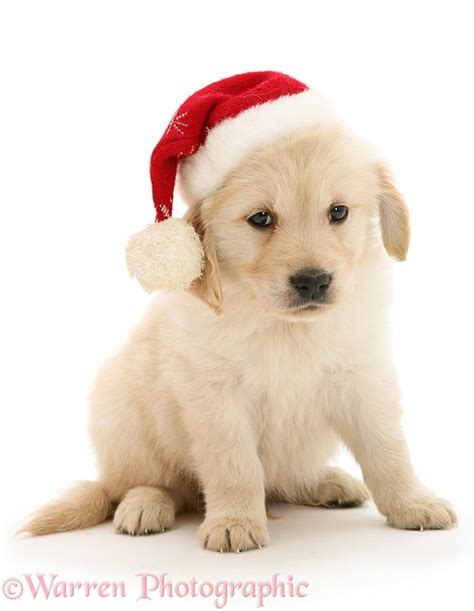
[
  {"x": 228, "y": 143},
  {"x": 166, "y": 255}
]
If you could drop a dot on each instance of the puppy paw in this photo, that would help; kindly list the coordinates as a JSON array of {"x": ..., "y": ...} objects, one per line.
[
  {"x": 339, "y": 489},
  {"x": 144, "y": 511},
  {"x": 424, "y": 513},
  {"x": 233, "y": 534}
]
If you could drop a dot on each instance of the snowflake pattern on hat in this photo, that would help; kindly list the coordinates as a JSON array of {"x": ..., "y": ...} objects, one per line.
[
  {"x": 207, "y": 137},
  {"x": 199, "y": 114}
]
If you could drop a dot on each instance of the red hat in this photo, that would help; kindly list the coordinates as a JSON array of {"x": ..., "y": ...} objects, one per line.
[{"x": 209, "y": 136}]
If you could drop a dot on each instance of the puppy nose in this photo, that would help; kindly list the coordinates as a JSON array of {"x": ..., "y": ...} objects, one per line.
[{"x": 311, "y": 284}]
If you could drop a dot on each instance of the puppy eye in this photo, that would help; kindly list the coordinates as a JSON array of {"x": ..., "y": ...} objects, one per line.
[
  {"x": 261, "y": 219},
  {"x": 338, "y": 213}
]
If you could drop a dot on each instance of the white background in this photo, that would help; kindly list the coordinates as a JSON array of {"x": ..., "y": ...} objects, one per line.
[{"x": 87, "y": 90}]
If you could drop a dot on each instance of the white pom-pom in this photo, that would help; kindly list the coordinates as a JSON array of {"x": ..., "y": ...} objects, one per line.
[{"x": 166, "y": 255}]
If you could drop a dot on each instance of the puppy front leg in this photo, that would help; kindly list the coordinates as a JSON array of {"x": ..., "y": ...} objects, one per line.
[
  {"x": 226, "y": 459},
  {"x": 369, "y": 424}
]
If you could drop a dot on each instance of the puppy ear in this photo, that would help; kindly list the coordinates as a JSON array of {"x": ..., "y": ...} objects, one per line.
[
  {"x": 208, "y": 286},
  {"x": 394, "y": 217}
]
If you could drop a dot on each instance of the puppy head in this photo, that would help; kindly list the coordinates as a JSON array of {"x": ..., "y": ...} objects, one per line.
[{"x": 290, "y": 225}]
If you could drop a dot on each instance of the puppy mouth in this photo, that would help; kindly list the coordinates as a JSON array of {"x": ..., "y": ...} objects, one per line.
[
  {"x": 286, "y": 305},
  {"x": 296, "y": 306},
  {"x": 307, "y": 307},
  {"x": 302, "y": 310}
]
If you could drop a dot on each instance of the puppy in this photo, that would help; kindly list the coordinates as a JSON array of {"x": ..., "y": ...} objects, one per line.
[{"x": 241, "y": 389}]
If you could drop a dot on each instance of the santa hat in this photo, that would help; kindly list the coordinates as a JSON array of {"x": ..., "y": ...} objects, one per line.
[{"x": 209, "y": 136}]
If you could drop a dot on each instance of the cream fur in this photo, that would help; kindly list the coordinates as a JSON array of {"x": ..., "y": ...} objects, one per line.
[{"x": 228, "y": 410}]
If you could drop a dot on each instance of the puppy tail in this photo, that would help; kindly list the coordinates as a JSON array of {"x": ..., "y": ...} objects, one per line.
[{"x": 83, "y": 505}]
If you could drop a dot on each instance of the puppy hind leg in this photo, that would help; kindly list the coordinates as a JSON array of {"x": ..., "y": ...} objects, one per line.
[
  {"x": 338, "y": 489},
  {"x": 147, "y": 510}
]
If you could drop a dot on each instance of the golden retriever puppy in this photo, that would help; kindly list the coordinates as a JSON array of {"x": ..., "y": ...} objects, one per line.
[{"x": 241, "y": 389}]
